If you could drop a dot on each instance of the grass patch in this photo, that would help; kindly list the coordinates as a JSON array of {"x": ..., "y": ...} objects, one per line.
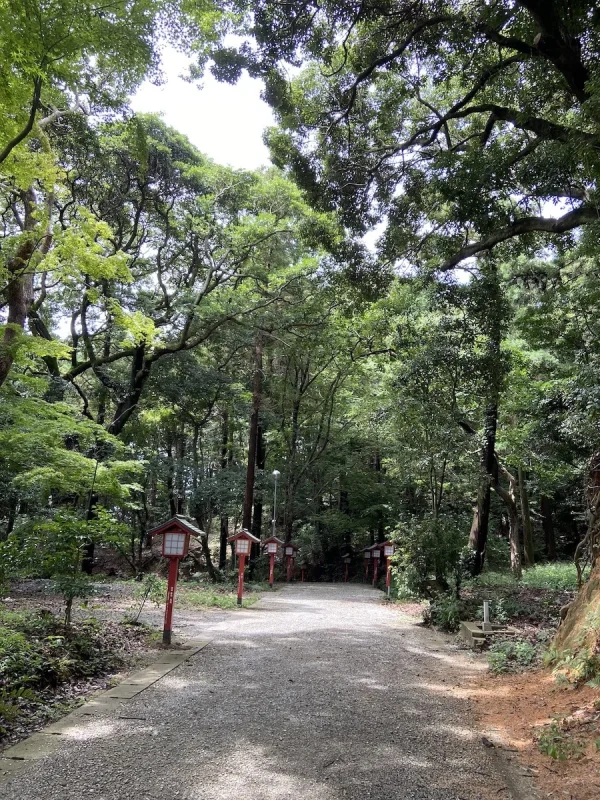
[
  {"x": 559, "y": 576},
  {"x": 189, "y": 597}
]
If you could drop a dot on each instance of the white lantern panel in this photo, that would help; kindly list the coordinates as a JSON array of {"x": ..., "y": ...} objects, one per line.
[
  {"x": 367, "y": 554},
  {"x": 376, "y": 553},
  {"x": 242, "y": 547},
  {"x": 289, "y": 551},
  {"x": 174, "y": 544},
  {"x": 388, "y": 550},
  {"x": 272, "y": 546}
]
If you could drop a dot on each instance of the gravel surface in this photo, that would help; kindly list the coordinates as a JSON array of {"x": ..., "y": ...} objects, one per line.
[{"x": 318, "y": 691}]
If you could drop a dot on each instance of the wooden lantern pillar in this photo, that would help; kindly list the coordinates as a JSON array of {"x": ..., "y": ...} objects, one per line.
[
  {"x": 271, "y": 546},
  {"x": 243, "y": 545},
  {"x": 388, "y": 552},
  {"x": 176, "y": 534},
  {"x": 290, "y": 553}
]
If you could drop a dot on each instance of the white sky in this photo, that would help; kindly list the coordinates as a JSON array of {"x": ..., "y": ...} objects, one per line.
[{"x": 224, "y": 122}]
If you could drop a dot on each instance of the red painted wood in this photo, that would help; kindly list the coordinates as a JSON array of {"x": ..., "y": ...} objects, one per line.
[
  {"x": 242, "y": 564},
  {"x": 271, "y": 569},
  {"x": 172, "y": 582}
]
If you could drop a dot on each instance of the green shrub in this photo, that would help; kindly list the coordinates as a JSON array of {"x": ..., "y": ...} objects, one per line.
[
  {"x": 558, "y": 744},
  {"x": 444, "y": 612},
  {"x": 511, "y": 655}
]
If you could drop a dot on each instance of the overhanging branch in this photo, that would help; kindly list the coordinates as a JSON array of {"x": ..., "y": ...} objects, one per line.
[{"x": 568, "y": 222}]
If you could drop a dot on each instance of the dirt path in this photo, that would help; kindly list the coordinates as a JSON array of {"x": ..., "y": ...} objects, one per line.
[{"x": 318, "y": 692}]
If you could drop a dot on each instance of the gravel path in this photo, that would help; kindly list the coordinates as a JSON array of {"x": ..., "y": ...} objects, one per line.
[{"x": 318, "y": 692}]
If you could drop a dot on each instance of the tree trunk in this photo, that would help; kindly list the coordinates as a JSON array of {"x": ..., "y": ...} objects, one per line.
[
  {"x": 261, "y": 457},
  {"x": 548, "y": 526},
  {"x": 19, "y": 292},
  {"x": 253, "y": 434},
  {"x": 528, "y": 550},
  {"x": 170, "y": 477},
  {"x": 225, "y": 458},
  {"x": 481, "y": 515},
  {"x": 207, "y": 557},
  {"x": 509, "y": 498}
]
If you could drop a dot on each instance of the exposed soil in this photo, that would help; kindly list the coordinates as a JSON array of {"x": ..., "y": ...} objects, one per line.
[{"x": 516, "y": 705}]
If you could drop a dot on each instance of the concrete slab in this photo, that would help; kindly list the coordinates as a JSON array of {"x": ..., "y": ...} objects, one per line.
[
  {"x": 475, "y": 636},
  {"x": 10, "y": 767},
  {"x": 14, "y": 759},
  {"x": 36, "y": 746}
]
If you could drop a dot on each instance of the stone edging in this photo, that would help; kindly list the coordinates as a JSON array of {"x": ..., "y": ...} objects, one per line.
[{"x": 15, "y": 759}]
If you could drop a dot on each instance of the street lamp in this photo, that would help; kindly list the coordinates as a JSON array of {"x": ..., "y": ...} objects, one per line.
[{"x": 276, "y": 475}]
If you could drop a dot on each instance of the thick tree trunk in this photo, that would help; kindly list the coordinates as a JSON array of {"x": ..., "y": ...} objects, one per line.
[
  {"x": 528, "y": 551},
  {"x": 546, "y": 507},
  {"x": 481, "y": 515},
  {"x": 509, "y": 498},
  {"x": 207, "y": 557},
  {"x": 170, "y": 477},
  {"x": 261, "y": 457},
  {"x": 225, "y": 459},
  {"x": 19, "y": 292},
  {"x": 253, "y": 434},
  {"x": 180, "y": 450}
]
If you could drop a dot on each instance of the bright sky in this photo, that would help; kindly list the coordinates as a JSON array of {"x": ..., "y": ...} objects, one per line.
[{"x": 224, "y": 122}]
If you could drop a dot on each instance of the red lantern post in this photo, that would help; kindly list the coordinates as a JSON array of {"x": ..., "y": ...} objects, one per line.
[
  {"x": 272, "y": 544},
  {"x": 388, "y": 552},
  {"x": 375, "y": 555},
  {"x": 290, "y": 553},
  {"x": 367, "y": 555},
  {"x": 176, "y": 544},
  {"x": 347, "y": 559},
  {"x": 243, "y": 543}
]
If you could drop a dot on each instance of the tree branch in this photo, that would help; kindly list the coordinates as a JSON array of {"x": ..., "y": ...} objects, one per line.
[{"x": 573, "y": 219}]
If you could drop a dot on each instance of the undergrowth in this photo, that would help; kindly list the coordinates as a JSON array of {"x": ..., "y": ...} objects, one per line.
[{"x": 37, "y": 651}]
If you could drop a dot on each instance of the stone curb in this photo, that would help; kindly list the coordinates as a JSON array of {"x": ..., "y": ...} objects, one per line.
[{"x": 15, "y": 759}]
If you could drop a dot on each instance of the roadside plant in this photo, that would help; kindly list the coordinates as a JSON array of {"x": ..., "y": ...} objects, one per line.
[
  {"x": 553, "y": 741},
  {"x": 511, "y": 655},
  {"x": 152, "y": 588}
]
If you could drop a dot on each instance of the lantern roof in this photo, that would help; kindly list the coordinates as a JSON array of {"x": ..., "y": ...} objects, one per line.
[
  {"x": 347, "y": 555},
  {"x": 178, "y": 523},
  {"x": 273, "y": 540},
  {"x": 387, "y": 543},
  {"x": 291, "y": 544},
  {"x": 244, "y": 534}
]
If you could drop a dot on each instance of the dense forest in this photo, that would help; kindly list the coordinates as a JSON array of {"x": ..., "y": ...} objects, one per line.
[{"x": 400, "y": 315}]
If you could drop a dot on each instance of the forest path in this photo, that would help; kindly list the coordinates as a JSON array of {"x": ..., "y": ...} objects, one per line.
[{"x": 318, "y": 691}]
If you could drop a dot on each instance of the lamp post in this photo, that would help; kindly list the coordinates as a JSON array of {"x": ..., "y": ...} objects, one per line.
[
  {"x": 243, "y": 542},
  {"x": 271, "y": 545},
  {"x": 347, "y": 558},
  {"x": 176, "y": 534},
  {"x": 375, "y": 555},
  {"x": 276, "y": 475},
  {"x": 367, "y": 555},
  {"x": 290, "y": 552},
  {"x": 388, "y": 552}
]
